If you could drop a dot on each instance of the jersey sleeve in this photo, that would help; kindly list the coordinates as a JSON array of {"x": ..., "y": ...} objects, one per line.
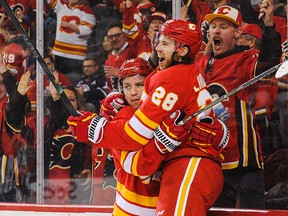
[
  {"x": 114, "y": 135},
  {"x": 144, "y": 162}
]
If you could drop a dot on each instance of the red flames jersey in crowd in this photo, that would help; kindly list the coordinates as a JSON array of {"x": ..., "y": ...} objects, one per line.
[
  {"x": 221, "y": 77},
  {"x": 133, "y": 33},
  {"x": 58, "y": 188},
  {"x": 15, "y": 61},
  {"x": 21, "y": 5},
  {"x": 104, "y": 177}
]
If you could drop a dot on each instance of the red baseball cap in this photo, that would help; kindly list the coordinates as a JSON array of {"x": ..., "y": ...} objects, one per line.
[
  {"x": 157, "y": 15},
  {"x": 253, "y": 30},
  {"x": 226, "y": 12}
]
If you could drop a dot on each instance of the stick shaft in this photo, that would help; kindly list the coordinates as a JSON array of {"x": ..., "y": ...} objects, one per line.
[
  {"x": 39, "y": 58},
  {"x": 241, "y": 87}
]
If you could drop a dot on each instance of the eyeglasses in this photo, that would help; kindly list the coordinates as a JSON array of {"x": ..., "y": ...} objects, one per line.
[
  {"x": 118, "y": 35},
  {"x": 88, "y": 66}
]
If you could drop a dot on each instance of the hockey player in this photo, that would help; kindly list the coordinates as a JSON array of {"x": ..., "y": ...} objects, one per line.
[
  {"x": 193, "y": 189},
  {"x": 134, "y": 195}
]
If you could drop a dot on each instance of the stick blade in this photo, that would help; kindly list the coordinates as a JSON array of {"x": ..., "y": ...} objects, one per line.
[{"x": 283, "y": 70}]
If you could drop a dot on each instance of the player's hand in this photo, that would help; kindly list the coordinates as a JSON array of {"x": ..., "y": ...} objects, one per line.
[
  {"x": 88, "y": 126},
  {"x": 169, "y": 135},
  {"x": 210, "y": 134},
  {"x": 111, "y": 105}
]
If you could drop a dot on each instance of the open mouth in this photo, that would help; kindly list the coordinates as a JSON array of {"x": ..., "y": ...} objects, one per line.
[
  {"x": 217, "y": 41},
  {"x": 161, "y": 59}
]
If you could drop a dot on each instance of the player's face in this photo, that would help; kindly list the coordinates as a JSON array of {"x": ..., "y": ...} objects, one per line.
[
  {"x": 133, "y": 87},
  {"x": 223, "y": 35},
  {"x": 165, "y": 50},
  {"x": 3, "y": 91},
  {"x": 72, "y": 97}
]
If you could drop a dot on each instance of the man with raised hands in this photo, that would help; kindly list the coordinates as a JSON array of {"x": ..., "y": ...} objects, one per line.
[{"x": 224, "y": 69}]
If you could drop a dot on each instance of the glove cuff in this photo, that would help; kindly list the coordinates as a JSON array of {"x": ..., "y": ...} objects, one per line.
[
  {"x": 96, "y": 129},
  {"x": 166, "y": 142}
]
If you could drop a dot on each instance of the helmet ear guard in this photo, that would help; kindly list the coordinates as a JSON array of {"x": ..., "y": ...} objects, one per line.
[{"x": 178, "y": 47}]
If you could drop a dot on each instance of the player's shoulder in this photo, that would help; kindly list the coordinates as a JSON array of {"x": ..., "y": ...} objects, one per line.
[
  {"x": 180, "y": 71},
  {"x": 125, "y": 113}
]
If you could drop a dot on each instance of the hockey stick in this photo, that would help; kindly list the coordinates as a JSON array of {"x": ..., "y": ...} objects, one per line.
[
  {"x": 282, "y": 70},
  {"x": 39, "y": 58}
]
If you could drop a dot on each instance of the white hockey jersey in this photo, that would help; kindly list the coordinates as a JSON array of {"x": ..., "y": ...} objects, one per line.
[{"x": 68, "y": 43}]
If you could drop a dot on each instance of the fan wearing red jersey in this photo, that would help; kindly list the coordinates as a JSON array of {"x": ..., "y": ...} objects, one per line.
[
  {"x": 14, "y": 57},
  {"x": 223, "y": 71},
  {"x": 198, "y": 181}
]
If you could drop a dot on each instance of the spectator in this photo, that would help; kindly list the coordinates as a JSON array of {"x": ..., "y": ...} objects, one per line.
[
  {"x": 250, "y": 9},
  {"x": 62, "y": 150},
  {"x": 74, "y": 23},
  {"x": 267, "y": 88},
  {"x": 276, "y": 180},
  {"x": 93, "y": 86},
  {"x": 251, "y": 36},
  {"x": 201, "y": 9},
  {"x": 63, "y": 81},
  {"x": 141, "y": 10},
  {"x": 15, "y": 53},
  {"x": 107, "y": 46},
  {"x": 121, "y": 52},
  {"x": 223, "y": 71},
  {"x": 13, "y": 158},
  {"x": 143, "y": 42}
]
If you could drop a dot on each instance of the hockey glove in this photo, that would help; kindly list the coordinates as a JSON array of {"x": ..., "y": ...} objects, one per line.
[
  {"x": 211, "y": 135},
  {"x": 111, "y": 105},
  {"x": 87, "y": 126},
  {"x": 169, "y": 135}
]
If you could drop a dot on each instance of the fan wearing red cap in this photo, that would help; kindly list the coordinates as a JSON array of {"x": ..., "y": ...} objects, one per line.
[
  {"x": 251, "y": 36},
  {"x": 225, "y": 68},
  {"x": 267, "y": 88}
]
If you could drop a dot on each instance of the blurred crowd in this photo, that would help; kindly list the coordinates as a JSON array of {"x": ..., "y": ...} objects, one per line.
[{"x": 85, "y": 44}]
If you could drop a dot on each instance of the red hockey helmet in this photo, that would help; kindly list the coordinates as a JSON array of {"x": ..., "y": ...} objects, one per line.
[
  {"x": 134, "y": 67},
  {"x": 184, "y": 33}
]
